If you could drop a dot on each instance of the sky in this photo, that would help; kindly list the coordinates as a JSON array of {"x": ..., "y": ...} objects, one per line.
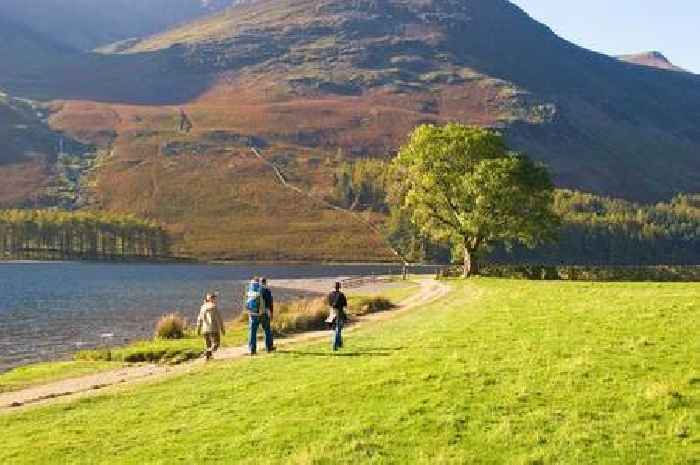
[{"x": 619, "y": 27}]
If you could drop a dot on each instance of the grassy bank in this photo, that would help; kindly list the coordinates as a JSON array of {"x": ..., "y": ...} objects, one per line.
[
  {"x": 40, "y": 373},
  {"x": 293, "y": 317},
  {"x": 500, "y": 372}
]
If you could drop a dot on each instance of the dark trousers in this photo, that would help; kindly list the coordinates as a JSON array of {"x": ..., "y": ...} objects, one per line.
[
  {"x": 212, "y": 340},
  {"x": 337, "y": 338},
  {"x": 255, "y": 322}
]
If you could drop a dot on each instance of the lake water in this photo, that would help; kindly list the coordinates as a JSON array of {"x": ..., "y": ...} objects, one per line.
[{"x": 50, "y": 310}]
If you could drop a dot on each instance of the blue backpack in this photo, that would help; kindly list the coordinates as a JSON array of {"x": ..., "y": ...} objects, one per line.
[{"x": 254, "y": 298}]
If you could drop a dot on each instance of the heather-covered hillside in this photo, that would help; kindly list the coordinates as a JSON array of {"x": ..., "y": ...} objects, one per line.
[{"x": 315, "y": 83}]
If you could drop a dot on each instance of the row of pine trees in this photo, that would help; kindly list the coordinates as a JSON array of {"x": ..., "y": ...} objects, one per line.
[{"x": 53, "y": 234}]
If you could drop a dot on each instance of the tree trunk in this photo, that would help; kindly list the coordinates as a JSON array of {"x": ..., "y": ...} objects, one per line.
[
  {"x": 471, "y": 266},
  {"x": 468, "y": 261}
]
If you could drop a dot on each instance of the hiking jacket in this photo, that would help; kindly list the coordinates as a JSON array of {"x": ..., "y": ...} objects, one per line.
[
  {"x": 209, "y": 320},
  {"x": 337, "y": 302},
  {"x": 268, "y": 301}
]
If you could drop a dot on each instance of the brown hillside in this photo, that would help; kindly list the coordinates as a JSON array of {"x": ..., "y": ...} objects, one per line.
[{"x": 312, "y": 82}]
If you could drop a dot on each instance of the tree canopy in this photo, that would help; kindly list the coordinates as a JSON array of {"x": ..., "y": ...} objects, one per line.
[
  {"x": 461, "y": 184},
  {"x": 48, "y": 234}
]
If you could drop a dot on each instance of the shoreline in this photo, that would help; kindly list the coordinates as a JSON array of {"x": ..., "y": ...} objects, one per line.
[
  {"x": 305, "y": 288},
  {"x": 32, "y": 389},
  {"x": 197, "y": 261}
]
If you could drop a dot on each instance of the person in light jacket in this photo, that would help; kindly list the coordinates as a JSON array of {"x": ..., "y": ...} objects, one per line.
[{"x": 210, "y": 323}]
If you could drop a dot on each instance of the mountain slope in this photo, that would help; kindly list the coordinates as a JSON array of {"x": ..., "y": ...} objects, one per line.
[
  {"x": 27, "y": 150},
  {"x": 87, "y": 24},
  {"x": 602, "y": 125},
  {"x": 651, "y": 59},
  {"x": 315, "y": 82}
]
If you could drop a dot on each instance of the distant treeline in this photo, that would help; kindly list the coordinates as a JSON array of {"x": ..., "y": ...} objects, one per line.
[
  {"x": 49, "y": 234},
  {"x": 596, "y": 230},
  {"x": 604, "y": 231}
]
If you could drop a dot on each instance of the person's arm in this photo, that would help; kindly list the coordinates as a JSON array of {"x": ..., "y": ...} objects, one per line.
[
  {"x": 272, "y": 304},
  {"x": 220, "y": 322},
  {"x": 199, "y": 322}
]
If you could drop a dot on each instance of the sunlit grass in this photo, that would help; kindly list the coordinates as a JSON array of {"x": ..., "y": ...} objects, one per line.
[{"x": 499, "y": 372}]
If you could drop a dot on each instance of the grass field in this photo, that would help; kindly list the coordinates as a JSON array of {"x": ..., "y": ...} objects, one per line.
[{"x": 500, "y": 372}]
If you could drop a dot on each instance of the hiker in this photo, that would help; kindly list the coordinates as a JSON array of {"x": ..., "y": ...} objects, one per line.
[
  {"x": 210, "y": 323},
  {"x": 267, "y": 316},
  {"x": 337, "y": 303},
  {"x": 255, "y": 305}
]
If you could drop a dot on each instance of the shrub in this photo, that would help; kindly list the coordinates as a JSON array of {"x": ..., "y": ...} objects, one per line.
[
  {"x": 97, "y": 355},
  {"x": 370, "y": 305},
  {"x": 171, "y": 326},
  {"x": 300, "y": 315}
]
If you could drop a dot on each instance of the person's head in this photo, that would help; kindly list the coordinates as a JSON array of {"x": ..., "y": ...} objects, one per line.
[
  {"x": 208, "y": 297},
  {"x": 256, "y": 280},
  {"x": 337, "y": 286},
  {"x": 214, "y": 297},
  {"x": 263, "y": 281}
]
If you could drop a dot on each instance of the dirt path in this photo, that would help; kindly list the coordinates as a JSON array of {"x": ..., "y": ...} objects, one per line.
[{"x": 430, "y": 290}]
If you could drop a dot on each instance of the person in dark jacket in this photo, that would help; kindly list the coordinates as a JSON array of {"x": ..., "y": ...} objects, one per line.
[
  {"x": 267, "y": 315},
  {"x": 337, "y": 303}
]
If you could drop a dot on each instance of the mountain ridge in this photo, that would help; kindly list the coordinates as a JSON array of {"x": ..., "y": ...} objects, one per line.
[{"x": 653, "y": 59}]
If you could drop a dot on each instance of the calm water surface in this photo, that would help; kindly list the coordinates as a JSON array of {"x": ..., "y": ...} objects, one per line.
[{"x": 50, "y": 310}]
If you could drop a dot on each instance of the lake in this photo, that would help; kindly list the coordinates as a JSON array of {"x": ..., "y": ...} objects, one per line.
[{"x": 50, "y": 310}]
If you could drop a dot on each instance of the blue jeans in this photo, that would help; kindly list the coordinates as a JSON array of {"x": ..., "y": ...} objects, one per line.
[
  {"x": 255, "y": 322},
  {"x": 337, "y": 336}
]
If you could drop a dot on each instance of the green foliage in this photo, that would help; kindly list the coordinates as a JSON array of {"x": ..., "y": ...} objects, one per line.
[
  {"x": 500, "y": 372},
  {"x": 604, "y": 231},
  {"x": 462, "y": 185},
  {"x": 61, "y": 234},
  {"x": 170, "y": 326},
  {"x": 361, "y": 185}
]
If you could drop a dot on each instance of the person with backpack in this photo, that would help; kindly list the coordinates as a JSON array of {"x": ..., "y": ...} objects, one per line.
[
  {"x": 210, "y": 323},
  {"x": 257, "y": 315},
  {"x": 337, "y": 318}
]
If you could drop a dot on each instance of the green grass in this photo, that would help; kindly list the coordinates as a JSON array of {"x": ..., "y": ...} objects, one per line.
[
  {"x": 41, "y": 373},
  {"x": 399, "y": 291},
  {"x": 500, "y": 372}
]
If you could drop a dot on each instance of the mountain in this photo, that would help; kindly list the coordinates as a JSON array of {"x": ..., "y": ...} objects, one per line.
[
  {"x": 314, "y": 83},
  {"x": 601, "y": 124},
  {"x": 652, "y": 59},
  {"x": 87, "y": 24}
]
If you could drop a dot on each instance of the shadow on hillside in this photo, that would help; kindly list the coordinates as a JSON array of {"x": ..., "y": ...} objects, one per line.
[{"x": 149, "y": 78}]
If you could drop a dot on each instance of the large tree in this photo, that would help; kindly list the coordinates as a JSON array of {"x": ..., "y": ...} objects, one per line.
[{"x": 461, "y": 184}]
